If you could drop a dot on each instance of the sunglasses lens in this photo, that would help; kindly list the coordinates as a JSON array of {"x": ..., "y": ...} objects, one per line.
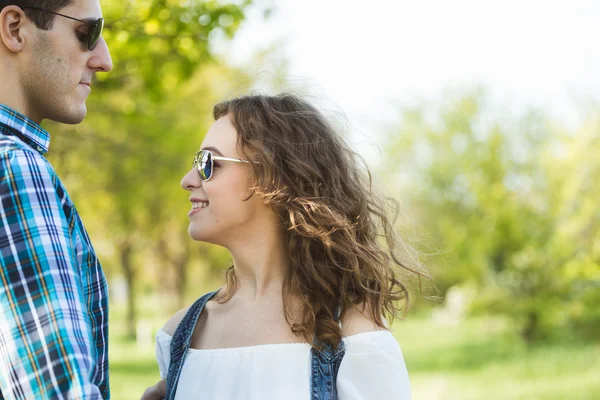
[
  {"x": 95, "y": 34},
  {"x": 206, "y": 165}
]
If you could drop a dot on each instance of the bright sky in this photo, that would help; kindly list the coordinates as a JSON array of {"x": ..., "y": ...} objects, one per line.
[{"x": 366, "y": 55}]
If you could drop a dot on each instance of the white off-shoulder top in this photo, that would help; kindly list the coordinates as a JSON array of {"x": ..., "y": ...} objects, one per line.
[{"x": 372, "y": 368}]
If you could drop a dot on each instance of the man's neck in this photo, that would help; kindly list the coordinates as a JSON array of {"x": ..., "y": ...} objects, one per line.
[
  {"x": 11, "y": 96},
  {"x": 18, "y": 107}
]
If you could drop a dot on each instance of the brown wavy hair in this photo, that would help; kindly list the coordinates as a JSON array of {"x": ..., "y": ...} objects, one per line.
[{"x": 340, "y": 240}]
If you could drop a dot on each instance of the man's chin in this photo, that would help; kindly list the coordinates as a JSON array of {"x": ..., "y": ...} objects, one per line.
[{"x": 73, "y": 117}]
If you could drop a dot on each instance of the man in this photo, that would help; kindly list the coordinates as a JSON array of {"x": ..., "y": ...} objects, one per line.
[{"x": 53, "y": 294}]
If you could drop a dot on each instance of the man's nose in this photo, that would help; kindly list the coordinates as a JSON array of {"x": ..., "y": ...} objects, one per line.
[{"x": 100, "y": 61}]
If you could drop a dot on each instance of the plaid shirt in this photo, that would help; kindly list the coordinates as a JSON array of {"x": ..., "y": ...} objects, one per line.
[{"x": 53, "y": 293}]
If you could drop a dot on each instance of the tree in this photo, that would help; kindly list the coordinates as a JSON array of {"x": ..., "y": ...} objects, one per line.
[{"x": 487, "y": 189}]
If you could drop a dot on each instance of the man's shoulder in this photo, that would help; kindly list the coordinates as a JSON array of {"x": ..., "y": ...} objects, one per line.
[
  {"x": 13, "y": 145},
  {"x": 16, "y": 153},
  {"x": 10, "y": 143}
]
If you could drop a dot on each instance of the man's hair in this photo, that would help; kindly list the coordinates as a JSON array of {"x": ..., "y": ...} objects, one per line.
[{"x": 42, "y": 20}]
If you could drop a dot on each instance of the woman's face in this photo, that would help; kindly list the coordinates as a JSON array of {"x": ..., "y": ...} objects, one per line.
[{"x": 218, "y": 212}]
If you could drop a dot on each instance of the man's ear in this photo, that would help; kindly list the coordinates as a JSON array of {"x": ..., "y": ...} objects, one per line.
[{"x": 12, "y": 34}]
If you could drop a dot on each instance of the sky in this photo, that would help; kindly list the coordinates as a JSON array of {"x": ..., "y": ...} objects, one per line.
[{"x": 369, "y": 57}]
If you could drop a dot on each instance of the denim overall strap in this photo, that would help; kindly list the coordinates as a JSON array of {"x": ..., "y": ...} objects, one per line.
[
  {"x": 325, "y": 364},
  {"x": 180, "y": 343}
]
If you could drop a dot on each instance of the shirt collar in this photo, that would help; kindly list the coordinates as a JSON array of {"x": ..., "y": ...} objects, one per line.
[{"x": 35, "y": 136}]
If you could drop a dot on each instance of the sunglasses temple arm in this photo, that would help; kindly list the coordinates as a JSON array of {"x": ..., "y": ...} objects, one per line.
[{"x": 219, "y": 158}]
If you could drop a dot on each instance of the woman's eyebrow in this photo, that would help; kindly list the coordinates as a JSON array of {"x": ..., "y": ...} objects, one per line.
[{"x": 213, "y": 149}]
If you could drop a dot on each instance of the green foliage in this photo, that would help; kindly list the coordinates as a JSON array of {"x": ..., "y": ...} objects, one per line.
[
  {"x": 157, "y": 45},
  {"x": 508, "y": 202}
]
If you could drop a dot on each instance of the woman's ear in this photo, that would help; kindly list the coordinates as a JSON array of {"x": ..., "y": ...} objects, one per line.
[
  {"x": 251, "y": 185},
  {"x": 247, "y": 195},
  {"x": 13, "y": 28}
]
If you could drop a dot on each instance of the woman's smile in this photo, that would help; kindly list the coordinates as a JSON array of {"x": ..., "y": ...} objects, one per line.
[{"x": 197, "y": 205}]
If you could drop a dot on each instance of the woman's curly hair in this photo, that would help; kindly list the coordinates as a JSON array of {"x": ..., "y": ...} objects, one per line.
[{"x": 340, "y": 241}]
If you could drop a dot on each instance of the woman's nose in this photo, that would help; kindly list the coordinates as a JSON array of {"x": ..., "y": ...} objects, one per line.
[{"x": 191, "y": 180}]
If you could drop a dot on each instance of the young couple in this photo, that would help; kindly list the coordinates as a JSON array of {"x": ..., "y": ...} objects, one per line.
[{"x": 302, "y": 312}]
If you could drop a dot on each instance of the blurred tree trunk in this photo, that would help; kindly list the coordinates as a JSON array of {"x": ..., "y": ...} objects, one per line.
[
  {"x": 174, "y": 263},
  {"x": 530, "y": 329},
  {"x": 125, "y": 250},
  {"x": 181, "y": 263}
]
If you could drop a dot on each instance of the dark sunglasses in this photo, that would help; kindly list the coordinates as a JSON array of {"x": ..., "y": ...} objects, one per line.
[
  {"x": 204, "y": 160},
  {"x": 91, "y": 37}
]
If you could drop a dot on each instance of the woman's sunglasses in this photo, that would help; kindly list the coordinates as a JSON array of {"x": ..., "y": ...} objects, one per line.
[
  {"x": 91, "y": 37},
  {"x": 204, "y": 161}
]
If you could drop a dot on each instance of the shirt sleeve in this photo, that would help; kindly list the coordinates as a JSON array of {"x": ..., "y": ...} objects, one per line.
[
  {"x": 46, "y": 345},
  {"x": 373, "y": 368},
  {"x": 163, "y": 353}
]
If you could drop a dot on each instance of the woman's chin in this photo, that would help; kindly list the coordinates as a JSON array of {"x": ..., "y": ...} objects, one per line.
[
  {"x": 202, "y": 236},
  {"x": 196, "y": 234}
]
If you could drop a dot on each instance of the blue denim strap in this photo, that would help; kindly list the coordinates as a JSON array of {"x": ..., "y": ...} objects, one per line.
[
  {"x": 180, "y": 343},
  {"x": 325, "y": 364}
]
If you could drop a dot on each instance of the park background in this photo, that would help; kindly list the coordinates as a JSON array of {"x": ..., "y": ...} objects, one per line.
[{"x": 480, "y": 117}]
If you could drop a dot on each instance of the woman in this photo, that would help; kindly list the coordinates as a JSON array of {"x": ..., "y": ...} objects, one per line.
[{"x": 303, "y": 312}]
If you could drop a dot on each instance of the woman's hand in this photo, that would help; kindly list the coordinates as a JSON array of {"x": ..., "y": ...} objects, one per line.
[{"x": 156, "y": 392}]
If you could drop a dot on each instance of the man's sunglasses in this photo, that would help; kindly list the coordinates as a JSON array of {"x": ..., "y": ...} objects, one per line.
[
  {"x": 204, "y": 161},
  {"x": 91, "y": 37}
]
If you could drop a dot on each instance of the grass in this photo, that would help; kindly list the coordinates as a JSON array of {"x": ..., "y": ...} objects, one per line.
[
  {"x": 483, "y": 359},
  {"x": 478, "y": 358},
  {"x": 133, "y": 368},
  {"x": 133, "y": 365}
]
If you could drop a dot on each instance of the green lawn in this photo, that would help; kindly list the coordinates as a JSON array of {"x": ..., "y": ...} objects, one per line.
[
  {"x": 132, "y": 369},
  {"x": 481, "y": 359},
  {"x": 475, "y": 359}
]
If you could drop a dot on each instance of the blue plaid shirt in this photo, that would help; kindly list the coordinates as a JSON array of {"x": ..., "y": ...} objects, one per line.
[{"x": 53, "y": 293}]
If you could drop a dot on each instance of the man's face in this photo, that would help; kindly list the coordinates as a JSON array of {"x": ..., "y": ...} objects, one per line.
[{"x": 57, "y": 74}]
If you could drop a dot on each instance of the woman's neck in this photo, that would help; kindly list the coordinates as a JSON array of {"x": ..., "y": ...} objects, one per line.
[{"x": 261, "y": 265}]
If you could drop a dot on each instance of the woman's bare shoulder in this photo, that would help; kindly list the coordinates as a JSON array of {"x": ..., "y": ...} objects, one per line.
[
  {"x": 174, "y": 321},
  {"x": 358, "y": 319}
]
